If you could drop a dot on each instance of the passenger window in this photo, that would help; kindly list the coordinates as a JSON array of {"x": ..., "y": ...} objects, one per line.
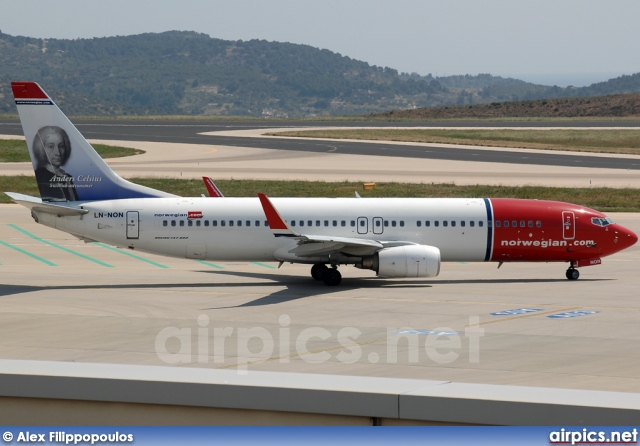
[
  {"x": 362, "y": 223},
  {"x": 538, "y": 224},
  {"x": 473, "y": 223},
  {"x": 531, "y": 223},
  {"x": 164, "y": 223},
  {"x": 378, "y": 223},
  {"x": 326, "y": 223},
  {"x": 436, "y": 223},
  {"x": 293, "y": 222},
  {"x": 402, "y": 223},
  {"x": 427, "y": 223},
  {"x": 453, "y": 223},
  {"x": 248, "y": 222},
  {"x": 514, "y": 224},
  {"x": 386, "y": 223},
  {"x": 393, "y": 223},
  {"x": 462, "y": 223},
  {"x": 181, "y": 222},
  {"x": 522, "y": 224},
  {"x": 301, "y": 222},
  {"x": 498, "y": 224},
  {"x": 317, "y": 222},
  {"x": 239, "y": 222},
  {"x": 353, "y": 223},
  {"x": 445, "y": 223},
  {"x": 214, "y": 222},
  {"x": 230, "y": 222},
  {"x": 257, "y": 222},
  {"x": 173, "y": 222},
  {"x": 480, "y": 224},
  {"x": 506, "y": 223},
  {"x": 309, "y": 223},
  {"x": 190, "y": 223},
  {"x": 419, "y": 223},
  {"x": 223, "y": 223},
  {"x": 198, "y": 223},
  {"x": 206, "y": 222},
  {"x": 335, "y": 223},
  {"x": 343, "y": 223}
]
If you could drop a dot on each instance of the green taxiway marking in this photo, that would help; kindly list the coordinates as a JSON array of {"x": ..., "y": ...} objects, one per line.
[
  {"x": 264, "y": 265},
  {"x": 151, "y": 262},
  {"x": 70, "y": 251},
  {"x": 27, "y": 253},
  {"x": 212, "y": 265}
]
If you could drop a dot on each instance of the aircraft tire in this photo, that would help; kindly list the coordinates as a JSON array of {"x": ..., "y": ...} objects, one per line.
[
  {"x": 572, "y": 274},
  {"x": 318, "y": 270},
  {"x": 332, "y": 277}
]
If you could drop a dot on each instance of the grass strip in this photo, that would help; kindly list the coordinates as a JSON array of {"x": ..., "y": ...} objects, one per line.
[
  {"x": 624, "y": 141},
  {"x": 601, "y": 198},
  {"x": 15, "y": 151}
]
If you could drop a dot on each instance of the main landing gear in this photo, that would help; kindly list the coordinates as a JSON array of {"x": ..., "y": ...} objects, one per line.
[
  {"x": 572, "y": 273},
  {"x": 330, "y": 276}
]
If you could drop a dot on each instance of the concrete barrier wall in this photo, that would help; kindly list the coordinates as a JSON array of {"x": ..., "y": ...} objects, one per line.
[{"x": 51, "y": 393}]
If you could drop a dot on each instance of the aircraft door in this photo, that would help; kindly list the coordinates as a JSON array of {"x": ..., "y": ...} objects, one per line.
[
  {"x": 568, "y": 225},
  {"x": 363, "y": 225},
  {"x": 377, "y": 225},
  {"x": 133, "y": 224}
]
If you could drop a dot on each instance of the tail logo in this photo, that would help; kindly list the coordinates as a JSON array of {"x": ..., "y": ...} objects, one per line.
[
  {"x": 51, "y": 151},
  {"x": 67, "y": 168}
]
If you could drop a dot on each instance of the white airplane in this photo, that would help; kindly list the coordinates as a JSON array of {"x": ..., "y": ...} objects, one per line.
[{"x": 395, "y": 237}]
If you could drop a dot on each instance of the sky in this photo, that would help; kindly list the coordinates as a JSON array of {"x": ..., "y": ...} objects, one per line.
[{"x": 561, "y": 42}]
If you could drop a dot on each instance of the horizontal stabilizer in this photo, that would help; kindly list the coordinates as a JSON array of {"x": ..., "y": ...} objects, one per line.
[{"x": 36, "y": 204}]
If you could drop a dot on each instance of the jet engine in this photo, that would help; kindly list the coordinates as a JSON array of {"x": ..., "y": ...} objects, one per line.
[{"x": 404, "y": 261}]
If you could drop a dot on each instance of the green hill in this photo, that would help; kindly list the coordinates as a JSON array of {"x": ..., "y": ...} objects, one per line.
[{"x": 187, "y": 73}]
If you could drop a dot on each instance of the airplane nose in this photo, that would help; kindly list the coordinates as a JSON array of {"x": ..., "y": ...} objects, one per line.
[{"x": 626, "y": 237}]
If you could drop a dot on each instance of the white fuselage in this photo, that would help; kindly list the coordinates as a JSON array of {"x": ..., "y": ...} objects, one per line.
[{"x": 236, "y": 229}]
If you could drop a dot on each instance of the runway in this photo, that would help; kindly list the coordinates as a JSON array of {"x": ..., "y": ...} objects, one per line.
[
  {"x": 64, "y": 300},
  {"x": 209, "y": 133},
  {"x": 328, "y": 160}
]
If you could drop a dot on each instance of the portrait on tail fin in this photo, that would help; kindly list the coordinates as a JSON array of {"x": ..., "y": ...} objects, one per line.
[{"x": 52, "y": 149}]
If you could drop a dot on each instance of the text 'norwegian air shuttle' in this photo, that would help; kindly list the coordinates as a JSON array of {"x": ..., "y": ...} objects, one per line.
[{"x": 395, "y": 237}]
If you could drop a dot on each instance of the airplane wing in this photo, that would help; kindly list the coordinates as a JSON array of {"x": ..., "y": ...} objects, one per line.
[{"x": 309, "y": 245}]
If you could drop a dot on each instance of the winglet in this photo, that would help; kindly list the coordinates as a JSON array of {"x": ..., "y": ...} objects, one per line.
[
  {"x": 212, "y": 188},
  {"x": 276, "y": 223}
]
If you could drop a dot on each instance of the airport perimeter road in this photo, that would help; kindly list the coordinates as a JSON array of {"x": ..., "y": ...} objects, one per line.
[
  {"x": 522, "y": 324},
  {"x": 191, "y": 132}
]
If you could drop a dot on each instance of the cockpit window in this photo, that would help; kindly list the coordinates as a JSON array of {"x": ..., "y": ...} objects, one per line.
[{"x": 598, "y": 221}]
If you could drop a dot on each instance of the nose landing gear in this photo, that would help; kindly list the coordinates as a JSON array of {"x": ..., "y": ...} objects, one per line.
[{"x": 572, "y": 273}]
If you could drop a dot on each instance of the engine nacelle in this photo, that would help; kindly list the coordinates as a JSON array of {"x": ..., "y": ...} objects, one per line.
[{"x": 405, "y": 261}]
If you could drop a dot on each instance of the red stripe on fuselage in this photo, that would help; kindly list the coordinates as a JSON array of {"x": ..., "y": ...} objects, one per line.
[
  {"x": 27, "y": 90},
  {"x": 557, "y": 237}
]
